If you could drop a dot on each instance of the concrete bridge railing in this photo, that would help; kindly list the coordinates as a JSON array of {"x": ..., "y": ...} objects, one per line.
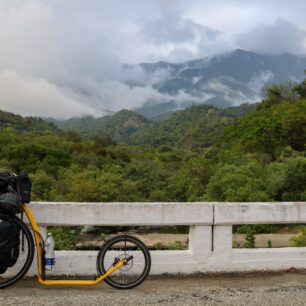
[{"x": 210, "y": 235}]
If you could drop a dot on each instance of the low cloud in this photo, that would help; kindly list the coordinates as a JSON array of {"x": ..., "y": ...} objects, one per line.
[
  {"x": 64, "y": 58},
  {"x": 258, "y": 82},
  {"x": 115, "y": 94},
  {"x": 38, "y": 97},
  {"x": 218, "y": 86},
  {"x": 180, "y": 38},
  {"x": 279, "y": 37},
  {"x": 172, "y": 27}
]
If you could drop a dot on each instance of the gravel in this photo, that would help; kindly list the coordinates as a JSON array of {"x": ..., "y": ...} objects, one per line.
[{"x": 250, "y": 289}]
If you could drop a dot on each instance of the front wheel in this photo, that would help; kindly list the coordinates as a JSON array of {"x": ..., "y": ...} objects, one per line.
[{"x": 124, "y": 247}]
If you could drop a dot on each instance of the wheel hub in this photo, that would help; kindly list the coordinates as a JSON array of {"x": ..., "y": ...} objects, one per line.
[{"x": 128, "y": 265}]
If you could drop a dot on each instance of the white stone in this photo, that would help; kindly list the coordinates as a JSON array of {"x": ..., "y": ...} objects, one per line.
[
  {"x": 259, "y": 213},
  {"x": 70, "y": 213}
]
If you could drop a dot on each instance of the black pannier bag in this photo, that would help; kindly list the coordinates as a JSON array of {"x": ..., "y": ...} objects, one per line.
[
  {"x": 4, "y": 175},
  {"x": 9, "y": 202},
  {"x": 24, "y": 185},
  {"x": 9, "y": 244},
  {"x": 9, "y": 196},
  {"x": 14, "y": 190}
]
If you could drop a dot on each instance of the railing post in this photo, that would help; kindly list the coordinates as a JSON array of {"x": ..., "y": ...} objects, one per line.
[
  {"x": 222, "y": 243},
  {"x": 200, "y": 240}
]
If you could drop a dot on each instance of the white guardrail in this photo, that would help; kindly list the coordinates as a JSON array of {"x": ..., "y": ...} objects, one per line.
[{"x": 210, "y": 235}]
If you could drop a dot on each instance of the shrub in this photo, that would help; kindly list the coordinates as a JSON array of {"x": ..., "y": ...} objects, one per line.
[{"x": 300, "y": 240}]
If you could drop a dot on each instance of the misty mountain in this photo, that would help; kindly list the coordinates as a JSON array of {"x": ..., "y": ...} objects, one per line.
[
  {"x": 195, "y": 126},
  {"x": 222, "y": 80}
]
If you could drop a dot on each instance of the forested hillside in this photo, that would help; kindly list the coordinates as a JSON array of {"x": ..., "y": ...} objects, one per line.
[
  {"x": 202, "y": 153},
  {"x": 196, "y": 126},
  {"x": 10, "y": 120},
  {"x": 119, "y": 126}
]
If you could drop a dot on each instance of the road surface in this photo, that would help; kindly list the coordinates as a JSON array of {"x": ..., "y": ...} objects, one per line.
[{"x": 286, "y": 288}]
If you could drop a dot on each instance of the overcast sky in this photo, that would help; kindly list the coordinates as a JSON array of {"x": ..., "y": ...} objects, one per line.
[{"x": 62, "y": 58}]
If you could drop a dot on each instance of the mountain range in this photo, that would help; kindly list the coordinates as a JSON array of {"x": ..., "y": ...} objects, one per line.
[
  {"x": 213, "y": 89},
  {"x": 223, "y": 80}
]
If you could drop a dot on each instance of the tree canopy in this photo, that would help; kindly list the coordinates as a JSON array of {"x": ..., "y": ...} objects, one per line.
[{"x": 245, "y": 153}]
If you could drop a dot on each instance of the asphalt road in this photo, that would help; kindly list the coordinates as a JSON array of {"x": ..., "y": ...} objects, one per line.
[{"x": 249, "y": 289}]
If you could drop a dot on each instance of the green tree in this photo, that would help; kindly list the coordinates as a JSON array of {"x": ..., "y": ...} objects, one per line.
[
  {"x": 237, "y": 183},
  {"x": 301, "y": 88},
  {"x": 43, "y": 186}
]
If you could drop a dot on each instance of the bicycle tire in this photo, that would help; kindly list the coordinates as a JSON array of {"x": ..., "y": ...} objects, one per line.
[
  {"x": 102, "y": 269},
  {"x": 31, "y": 250}
]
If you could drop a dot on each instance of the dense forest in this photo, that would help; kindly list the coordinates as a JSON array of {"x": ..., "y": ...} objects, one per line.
[{"x": 245, "y": 153}]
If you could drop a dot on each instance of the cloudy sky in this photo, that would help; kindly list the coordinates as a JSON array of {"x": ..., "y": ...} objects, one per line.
[{"x": 63, "y": 58}]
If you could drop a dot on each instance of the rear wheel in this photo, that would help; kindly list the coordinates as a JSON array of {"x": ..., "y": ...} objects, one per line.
[
  {"x": 136, "y": 269},
  {"x": 21, "y": 255}
]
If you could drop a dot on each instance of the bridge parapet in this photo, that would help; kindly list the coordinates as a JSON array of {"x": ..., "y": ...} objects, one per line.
[{"x": 210, "y": 235}]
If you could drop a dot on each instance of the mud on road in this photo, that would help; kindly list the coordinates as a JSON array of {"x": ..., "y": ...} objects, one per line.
[{"x": 243, "y": 289}]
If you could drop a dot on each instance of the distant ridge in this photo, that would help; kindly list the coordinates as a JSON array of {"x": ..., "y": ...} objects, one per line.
[
  {"x": 198, "y": 125},
  {"x": 119, "y": 126},
  {"x": 223, "y": 80}
]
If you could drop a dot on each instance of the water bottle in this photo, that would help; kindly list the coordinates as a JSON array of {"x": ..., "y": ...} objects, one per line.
[{"x": 49, "y": 255}]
